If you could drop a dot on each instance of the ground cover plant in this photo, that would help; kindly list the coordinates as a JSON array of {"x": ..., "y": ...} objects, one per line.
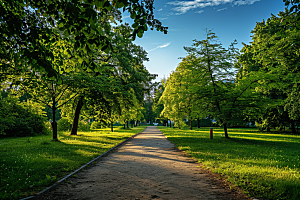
[
  {"x": 263, "y": 165},
  {"x": 30, "y": 164}
]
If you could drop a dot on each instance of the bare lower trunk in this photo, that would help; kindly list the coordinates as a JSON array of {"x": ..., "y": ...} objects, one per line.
[
  {"x": 293, "y": 127},
  {"x": 127, "y": 124},
  {"x": 54, "y": 124},
  {"x": 54, "y": 130},
  {"x": 198, "y": 122},
  {"x": 124, "y": 126},
  {"x": 225, "y": 130},
  {"x": 191, "y": 124},
  {"x": 111, "y": 126},
  {"x": 76, "y": 117}
]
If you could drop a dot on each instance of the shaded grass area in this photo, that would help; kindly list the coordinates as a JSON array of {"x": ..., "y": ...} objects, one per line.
[
  {"x": 30, "y": 164},
  {"x": 263, "y": 165}
]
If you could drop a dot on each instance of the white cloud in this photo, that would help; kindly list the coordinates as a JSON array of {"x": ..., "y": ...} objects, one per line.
[
  {"x": 161, "y": 46},
  {"x": 200, "y": 11},
  {"x": 222, "y": 9},
  {"x": 182, "y": 7},
  {"x": 246, "y": 2},
  {"x": 160, "y": 9}
]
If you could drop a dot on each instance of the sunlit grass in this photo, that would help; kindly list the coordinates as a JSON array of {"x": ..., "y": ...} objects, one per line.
[
  {"x": 30, "y": 164},
  {"x": 263, "y": 165}
]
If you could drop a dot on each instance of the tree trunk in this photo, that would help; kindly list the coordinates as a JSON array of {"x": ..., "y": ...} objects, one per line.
[
  {"x": 127, "y": 124},
  {"x": 293, "y": 127},
  {"x": 191, "y": 124},
  {"x": 111, "y": 126},
  {"x": 124, "y": 126},
  {"x": 76, "y": 117},
  {"x": 225, "y": 130},
  {"x": 198, "y": 122},
  {"x": 54, "y": 124},
  {"x": 131, "y": 124}
]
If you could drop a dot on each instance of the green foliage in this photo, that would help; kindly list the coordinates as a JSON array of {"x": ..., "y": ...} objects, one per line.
[
  {"x": 263, "y": 165},
  {"x": 28, "y": 28},
  {"x": 273, "y": 59},
  {"x": 96, "y": 125},
  {"x": 180, "y": 124},
  {"x": 48, "y": 126},
  {"x": 204, "y": 84},
  {"x": 49, "y": 113},
  {"x": 64, "y": 125},
  {"x": 35, "y": 107},
  {"x": 203, "y": 123},
  {"x": 158, "y": 106},
  {"x": 84, "y": 126},
  {"x": 29, "y": 167},
  {"x": 19, "y": 121}
]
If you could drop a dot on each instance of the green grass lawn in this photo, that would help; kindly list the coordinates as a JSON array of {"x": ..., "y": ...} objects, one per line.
[
  {"x": 263, "y": 165},
  {"x": 30, "y": 164}
]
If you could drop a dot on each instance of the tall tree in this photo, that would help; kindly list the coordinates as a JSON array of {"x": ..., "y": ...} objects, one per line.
[
  {"x": 273, "y": 55},
  {"x": 217, "y": 66}
]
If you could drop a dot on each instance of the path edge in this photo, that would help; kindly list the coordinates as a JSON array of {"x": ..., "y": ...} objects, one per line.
[{"x": 48, "y": 189}]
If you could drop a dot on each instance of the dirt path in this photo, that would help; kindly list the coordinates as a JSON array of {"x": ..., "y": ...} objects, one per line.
[{"x": 146, "y": 167}]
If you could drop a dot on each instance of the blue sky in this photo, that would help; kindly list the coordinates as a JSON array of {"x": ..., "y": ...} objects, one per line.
[{"x": 188, "y": 19}]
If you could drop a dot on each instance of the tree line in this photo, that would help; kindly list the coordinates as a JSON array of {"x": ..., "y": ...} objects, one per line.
[{"x": 259, "y": 84}]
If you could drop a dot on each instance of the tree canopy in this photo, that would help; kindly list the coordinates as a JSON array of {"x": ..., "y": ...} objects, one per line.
[{"x": 29, "y": 27}]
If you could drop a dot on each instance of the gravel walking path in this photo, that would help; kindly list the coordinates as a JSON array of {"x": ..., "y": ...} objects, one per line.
[{"x": 146, "y": 167}]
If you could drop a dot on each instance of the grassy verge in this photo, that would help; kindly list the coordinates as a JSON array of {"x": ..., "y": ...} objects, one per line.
[
  {"x": 30, "y": 164},
  {"x": 263, "y": 165}
]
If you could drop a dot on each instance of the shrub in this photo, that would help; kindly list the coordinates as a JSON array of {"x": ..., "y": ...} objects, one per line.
[
  {"x": 96, "y": 125},
  {"x": 48, "y": 126},
  {"x": 19, "y": 121},
  {"x": 83, "y": 126},
  {"x": 180, "y": 124},
  {"x": 63, "y": 125}
]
